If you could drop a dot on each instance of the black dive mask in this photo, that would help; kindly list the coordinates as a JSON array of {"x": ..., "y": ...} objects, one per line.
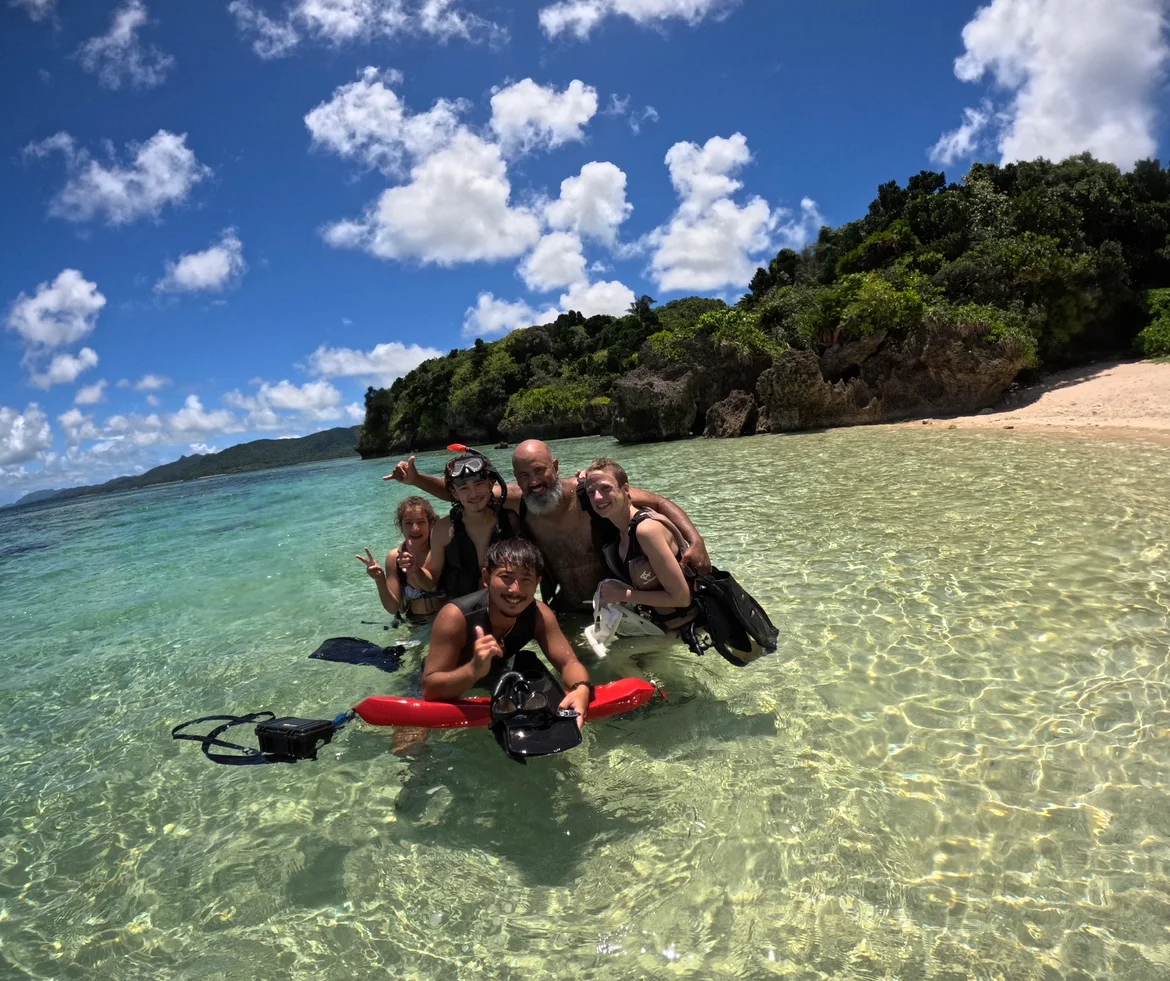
[{"x": 526, "y": 721}]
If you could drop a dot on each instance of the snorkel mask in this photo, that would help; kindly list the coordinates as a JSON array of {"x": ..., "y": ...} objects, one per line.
[
  {"x": 471, "y": 466},
  {"x": 525, "y": 718}
]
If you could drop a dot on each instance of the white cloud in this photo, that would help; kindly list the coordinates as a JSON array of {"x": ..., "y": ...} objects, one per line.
[
  {"x": 490, "y": 316},
  {"x": 193, "y": 418},
  {"x": 91, "y": 394},
  {"x": 556, "y": 262},
  {"x": 580, "y": 17},
  {"x": 164, "y": 171},
  {"x": 202, "y": 449},
  {"x": 312, "y": 398},
  {"x": 153, "y": 401},
  {"x": 710, "y": 242},
  {"x": 119, "y": 53},
  {"x": 77, "y": 427},
  {"x": 383, "y": 364},
  {"x": 962, "y": 143},
  {"x": 593, "y": 203},
  {"x": 367, "y": 121},
  {"x": 36, "y": 9},
  {"x": 1084, "y": 75},
  {"x": 796, "y": 232},
  {"x": 527, "y": 116},
  {"x": 64, "y": 368},
  {"x": 455, "y": 209},
  {"x": 59, "y": 313},
  {"x": 147, "y": 383},
  {"x": 271, "y": 39},
  {"x": 620, "y": 106},
  {"x": 339, "y": 21},
  {"x": 24, "y": 436},
  {"x": 212, "y": 269},
  {"x": 591, "y": 299}
]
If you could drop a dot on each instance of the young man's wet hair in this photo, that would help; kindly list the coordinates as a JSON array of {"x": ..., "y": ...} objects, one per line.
[
  {"x": 517, "y": 554},
  {"x": 604, "y": 464}
]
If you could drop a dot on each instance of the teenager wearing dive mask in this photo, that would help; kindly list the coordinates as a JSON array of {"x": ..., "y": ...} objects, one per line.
[
  {"x": 460, "y": 541},
  {"x": 476, "y": 639}
]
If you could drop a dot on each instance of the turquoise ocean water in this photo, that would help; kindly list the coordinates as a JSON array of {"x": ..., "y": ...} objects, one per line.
[{"x": 956, "y": 766}]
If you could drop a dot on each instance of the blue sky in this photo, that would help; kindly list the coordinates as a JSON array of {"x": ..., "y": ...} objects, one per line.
[{"x": 224, "y": 220}]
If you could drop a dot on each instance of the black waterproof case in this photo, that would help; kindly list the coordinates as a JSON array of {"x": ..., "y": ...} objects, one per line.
[{"x": 296, "y": 738}]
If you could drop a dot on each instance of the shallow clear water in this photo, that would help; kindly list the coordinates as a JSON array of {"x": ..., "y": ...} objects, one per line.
[{"x": 956, "y": 766}]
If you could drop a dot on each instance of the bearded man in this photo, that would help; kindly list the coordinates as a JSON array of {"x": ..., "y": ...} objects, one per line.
[{"x": 552, "y": 516}]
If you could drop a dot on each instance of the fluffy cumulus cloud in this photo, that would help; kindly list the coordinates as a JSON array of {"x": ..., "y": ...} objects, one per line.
[
  {"x": 24, "y": 436},
  {"x": 592, "y": 204},
  {"x": 580, "y": 17},
  {"x": 317, "y": 401},
  {"x": 91, "y": 394},
  {"x": 711, "y": 240},
  {"x": 64, "y": 368},
  {"x": 339, "y": 21},
  {"x": 119, "y": 55},
  {"x": 591, "y": 299},
  {"x": 1082, "y": 75},
  {"x": 491, "y": 316},
  {"x": 58, "y": 313},
  {"x": 193, "y": 418},
  {"x": 213, "y": 269},
  {"x": 383, "y": 364},
  {"x": 455, "y": 209},
  {"x": 367, "y": 121},
  {"x": 147, "y": 383},
  {"x": 556, "y": 262},
  {"x": 527, "y": 116},
  {"x": 163, "y": 172}
]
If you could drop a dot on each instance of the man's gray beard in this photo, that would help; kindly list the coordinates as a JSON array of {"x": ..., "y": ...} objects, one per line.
[{"x": 549, "y": 501}]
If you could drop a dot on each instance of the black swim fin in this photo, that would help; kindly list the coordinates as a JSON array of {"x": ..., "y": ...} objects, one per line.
[
  {"x": 351, "y": 650},
  {"x": 739, "y": 627}
]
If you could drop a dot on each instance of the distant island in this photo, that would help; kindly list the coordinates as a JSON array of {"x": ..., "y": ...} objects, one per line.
[{"x": 260, "y": 454}]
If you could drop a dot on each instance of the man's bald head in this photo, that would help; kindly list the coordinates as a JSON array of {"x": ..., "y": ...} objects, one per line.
[
  {"x": 537, "y": 473},
  {"x": 532, "y": 451}
]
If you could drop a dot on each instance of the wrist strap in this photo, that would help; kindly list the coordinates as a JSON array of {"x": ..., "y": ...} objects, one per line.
[{"x": 586, "y": 684}]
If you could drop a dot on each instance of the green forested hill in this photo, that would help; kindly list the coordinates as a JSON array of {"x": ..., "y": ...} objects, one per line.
[
  {"x": 1056, "y": 263},
  {"x": 260, "y": 454}
]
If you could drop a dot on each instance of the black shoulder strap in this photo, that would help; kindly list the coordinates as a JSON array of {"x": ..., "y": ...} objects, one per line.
[{"x": 250, "y": 757}]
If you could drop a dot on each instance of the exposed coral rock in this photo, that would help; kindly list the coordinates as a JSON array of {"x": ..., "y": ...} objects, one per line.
[
  {"x": 648, "y": 408},
  {"x": 734, "y": 416}
]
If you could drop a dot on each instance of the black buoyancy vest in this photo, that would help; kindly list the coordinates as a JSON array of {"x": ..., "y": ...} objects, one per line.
[
  {"x": 462, "y": 570},
  {"x": 475, "y": 611}
]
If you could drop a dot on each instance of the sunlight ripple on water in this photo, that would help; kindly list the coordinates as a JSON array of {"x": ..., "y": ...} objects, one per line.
[{"x": 954, "y": 767}]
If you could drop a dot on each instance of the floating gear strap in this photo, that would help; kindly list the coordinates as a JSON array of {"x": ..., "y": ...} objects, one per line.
[{"x": 250, "y": 757}]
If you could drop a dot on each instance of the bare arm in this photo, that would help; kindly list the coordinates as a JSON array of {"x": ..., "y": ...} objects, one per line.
[
  {"x": 553, "y": 642},
  {"x": 696, "y": 553},
  {"x": 389, "y": 586},
  {"x": 391, "y": 601},
  {"x": 407, "y": 473},
  {"x": 431, "y": 570},
  {"x": 658, "y": 545},
  {"x": 444, "y": 678}
]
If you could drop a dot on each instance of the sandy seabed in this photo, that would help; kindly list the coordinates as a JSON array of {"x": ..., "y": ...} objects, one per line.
[{"x": 1129, "y": 400}]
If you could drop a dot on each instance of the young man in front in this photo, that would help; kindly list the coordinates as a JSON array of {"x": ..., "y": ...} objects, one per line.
[{"x": 476, "y": 636}]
